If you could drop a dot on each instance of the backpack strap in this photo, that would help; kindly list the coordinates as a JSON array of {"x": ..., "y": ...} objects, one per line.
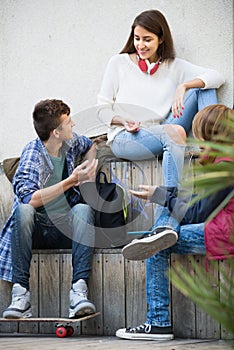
[{"x": 99, "y": 174}]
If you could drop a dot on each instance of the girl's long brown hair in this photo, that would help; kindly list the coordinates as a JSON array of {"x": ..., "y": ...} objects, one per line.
[{"x": 154, "y": 22}]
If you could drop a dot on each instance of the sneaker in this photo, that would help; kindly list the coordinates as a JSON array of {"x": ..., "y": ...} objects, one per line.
[
  {"x": 79, "y": 303},
  {"x": 20, "y": 306},
  {"x": 143, "y": 248},
  {"x": 146, "y": 332}
]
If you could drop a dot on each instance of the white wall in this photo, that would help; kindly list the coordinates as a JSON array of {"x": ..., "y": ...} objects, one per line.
[{"x": 59, "y": 49}]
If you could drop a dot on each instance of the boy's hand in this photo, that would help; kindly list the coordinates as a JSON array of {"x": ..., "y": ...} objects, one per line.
[
  {"x": 85, "y": 172},
  {"x": 145, "y": 192}
]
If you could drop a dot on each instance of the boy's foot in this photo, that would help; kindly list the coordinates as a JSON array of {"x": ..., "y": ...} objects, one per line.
[
  {"x": 79, "y": 303},
  {"x": 20, "y": 305},
  {"x": 143, "y": 248},
  {"x": 146, "y": 332}
]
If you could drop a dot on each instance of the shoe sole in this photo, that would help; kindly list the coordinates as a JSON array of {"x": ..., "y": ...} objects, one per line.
[
  {"x": 83, "y": 310},
  {"x": 17, "y": 314},
  {"x": 143, "y": 336},
  {"x": 146, "y": 247}
]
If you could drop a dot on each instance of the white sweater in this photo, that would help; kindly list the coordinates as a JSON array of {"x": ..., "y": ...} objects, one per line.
[{"x": 129, "y": 92}]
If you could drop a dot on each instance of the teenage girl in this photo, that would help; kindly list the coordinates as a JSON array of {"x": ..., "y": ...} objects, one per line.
[{"x": 147, "y": 92}]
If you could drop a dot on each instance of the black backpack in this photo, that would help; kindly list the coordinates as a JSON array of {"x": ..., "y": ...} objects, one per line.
[{"x": 108, "y": 199}]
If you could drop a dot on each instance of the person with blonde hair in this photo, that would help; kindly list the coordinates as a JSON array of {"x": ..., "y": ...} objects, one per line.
[{"x": 197, "y": 235}]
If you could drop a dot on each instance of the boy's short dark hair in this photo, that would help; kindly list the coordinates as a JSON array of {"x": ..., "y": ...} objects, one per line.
[{"x": 46, "y": 116}]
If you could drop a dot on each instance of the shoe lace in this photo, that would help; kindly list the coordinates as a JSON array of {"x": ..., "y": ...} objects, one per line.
[
  {"x": 156, "y": 231},
  {"x": 81, "y": 293},
  {"x": 152, "y": 234},
  {"x": 145, "y": 327},
  {"x": 18, "y": 300}
]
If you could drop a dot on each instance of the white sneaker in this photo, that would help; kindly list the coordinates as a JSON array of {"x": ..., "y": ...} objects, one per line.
[
  {"x": 143, "y": 248},
  {"x": 79, "y": 303},
  {"x": 20, "y": 305}
]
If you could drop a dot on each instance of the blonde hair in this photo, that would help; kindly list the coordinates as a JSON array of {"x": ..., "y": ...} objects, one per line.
[{"x": 213, "y": 124}]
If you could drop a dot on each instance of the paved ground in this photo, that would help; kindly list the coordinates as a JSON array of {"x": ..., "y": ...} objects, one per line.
[{"x": 106, "y": 343}]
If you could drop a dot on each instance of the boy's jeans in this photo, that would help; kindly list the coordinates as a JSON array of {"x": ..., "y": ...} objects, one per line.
[
  {"x": 190, "y": 241},
  {"x": 33, "y": 230}
]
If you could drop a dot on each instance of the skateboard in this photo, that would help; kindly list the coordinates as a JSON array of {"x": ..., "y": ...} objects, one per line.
[{"x": 63, "y": 325}]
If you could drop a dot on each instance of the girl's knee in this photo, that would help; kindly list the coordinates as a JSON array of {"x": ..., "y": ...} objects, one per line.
[{"x": 176, "y": 133}]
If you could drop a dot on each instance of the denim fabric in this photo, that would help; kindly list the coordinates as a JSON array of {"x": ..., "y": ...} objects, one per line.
[
  {"x": 194, "y": 101},
  {"x": 164, "y": 218},
  {"x": 33, "y": 230},
  {"x": 153, "y": 141},
  {"x": 191, "y": 241},
  {"x": 146, "y": 144},
  {"x": 173, "y": 154}
]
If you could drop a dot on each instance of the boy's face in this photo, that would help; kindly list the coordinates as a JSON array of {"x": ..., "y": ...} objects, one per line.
[{"x": 65, "y": 128}]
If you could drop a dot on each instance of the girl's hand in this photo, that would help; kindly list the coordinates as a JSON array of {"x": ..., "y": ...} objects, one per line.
[
  {"x": 132, "y": 126},
  {"x": 145, "y": 192},
  {"x": 178, "y": 103}
]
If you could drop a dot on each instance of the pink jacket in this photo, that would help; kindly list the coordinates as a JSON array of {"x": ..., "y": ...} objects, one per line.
[{"x": 219, "y": 231}]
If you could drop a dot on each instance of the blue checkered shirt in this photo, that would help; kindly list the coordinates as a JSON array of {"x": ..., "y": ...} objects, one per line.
[{"x": 35, "y": 167}]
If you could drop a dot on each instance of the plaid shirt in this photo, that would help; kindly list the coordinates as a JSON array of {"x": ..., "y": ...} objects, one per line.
[{"x": 34, "y": 169}]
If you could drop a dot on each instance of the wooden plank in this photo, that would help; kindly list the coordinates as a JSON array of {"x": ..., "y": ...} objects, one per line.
[
  {"x": 136, "y": 307},
  {"x": 6, "y": 200},
  {"x": 225, "y": 266},
  {"x": 6, "y": 197},
  {"x": 156, "y": 168},
  {"x": 206, "y": 327},
  {"x": 113, "y": 293},
  {"x": 95, "y": 288},
  {"x": 183, "y": 309},
  {"x": 65, "y": 283},
  {"x": 142, "y": 211},
  {"x": 106, "y": 169},
  {"x": 49, "y": 289},
  {"x": 5, "y": 300},
  {"x": 119, "y": 173},
  {"x": 32, "y": 327}
]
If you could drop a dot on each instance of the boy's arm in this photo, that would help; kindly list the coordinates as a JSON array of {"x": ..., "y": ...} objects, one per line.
[{"x": 83, "y": 172}]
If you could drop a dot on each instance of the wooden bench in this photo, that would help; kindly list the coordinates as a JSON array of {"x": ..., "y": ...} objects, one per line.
[{"x": 117, "y": 286}]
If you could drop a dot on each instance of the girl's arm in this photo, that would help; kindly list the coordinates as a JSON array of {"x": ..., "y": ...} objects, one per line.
[
  {"x": 178, "y": 102},
  {"x": 178, "y": 202},
  {"x": 190, "y": 76}
]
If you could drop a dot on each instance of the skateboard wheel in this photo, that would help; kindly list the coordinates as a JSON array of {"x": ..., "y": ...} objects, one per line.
[
  {"x": 70, "y": 331},
  {"x": 61, "y": 332}
]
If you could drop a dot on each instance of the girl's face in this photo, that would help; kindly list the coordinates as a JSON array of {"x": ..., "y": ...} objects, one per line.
[{"x": 146, "y": 44}]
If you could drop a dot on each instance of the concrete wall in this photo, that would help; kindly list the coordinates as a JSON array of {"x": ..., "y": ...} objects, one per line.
[{"x": 59, "y": 49}]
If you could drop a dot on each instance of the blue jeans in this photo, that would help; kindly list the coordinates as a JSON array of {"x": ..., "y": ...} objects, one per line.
[
  {"x": 33, "y": 230},
  {"x": 153, "y": 141},
  {"x": 148, "y": 143},
  {"x": 194, "y": 101},
  {"x": 191, "y": 241}
]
